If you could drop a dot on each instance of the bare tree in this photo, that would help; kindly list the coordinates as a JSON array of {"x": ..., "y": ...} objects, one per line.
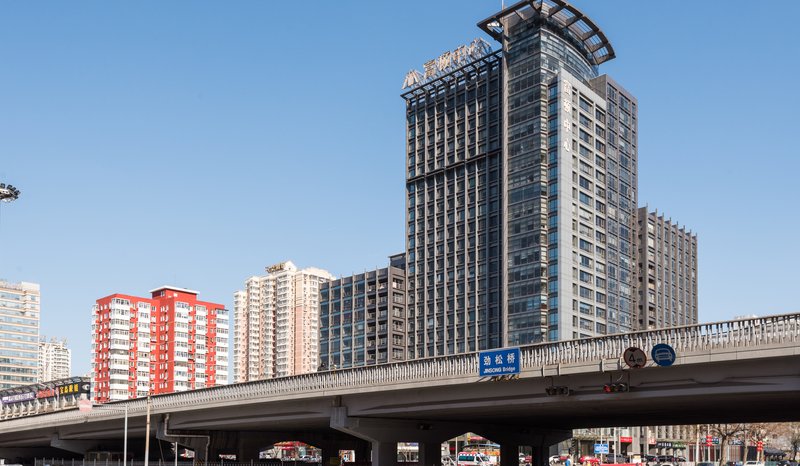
[
  {"x": 726, "y": 432},
  {"x": 794, "y": 438},
  {"x": 790, "y": 432},
  {"x": 756, "y": 433}
]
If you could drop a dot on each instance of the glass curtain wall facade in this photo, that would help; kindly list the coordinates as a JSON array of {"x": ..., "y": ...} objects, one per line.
[
  {"x": 521, "y": 184},
  {"x": 19, "y": 333},
  {"x": 454, "y": 235}
]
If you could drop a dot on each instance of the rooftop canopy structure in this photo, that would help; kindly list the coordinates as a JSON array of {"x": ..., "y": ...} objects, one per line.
[{"x": 563, "y": 19}]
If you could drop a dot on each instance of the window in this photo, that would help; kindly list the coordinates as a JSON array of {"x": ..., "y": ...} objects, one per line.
[
  {"x": 586, "y": 245},
  {"x": 585, "y": 199}
]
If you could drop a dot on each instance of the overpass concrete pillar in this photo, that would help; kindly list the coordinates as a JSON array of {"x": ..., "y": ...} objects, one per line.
[
  {"x": 430, "y": 454},
  {"x": 509, "y": 453},
  {"x": 247, "y": 453},
  {"x": 540, "y": 456},
  {"x": 363, "y": 450},
  {"x": 384, "y": 453},
  {"x": 329, "y": 456}
]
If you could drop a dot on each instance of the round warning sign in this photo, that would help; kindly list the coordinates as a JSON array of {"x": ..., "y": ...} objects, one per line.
[{"x": 634, "y": 357}]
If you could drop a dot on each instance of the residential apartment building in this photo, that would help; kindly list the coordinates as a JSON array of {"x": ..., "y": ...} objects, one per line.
[
  {"x": 521, "y": 187},
  {"x": 363, "y": 318},
  {"x": 55, "y": 359},
  {"x": 667, "y": 288},
  {"x": 19, "y": 333},
  {"x": 169, "y": 342},
  {"x": 277, "y": 323}
]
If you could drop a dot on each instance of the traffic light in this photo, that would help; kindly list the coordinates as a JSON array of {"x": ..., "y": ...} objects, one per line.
[
  {"x": 556, "y": 391},
  {"x": 709, "y": 440},
  {"x": 759, "y": 446},
  {"x": 615, "y": 387}
]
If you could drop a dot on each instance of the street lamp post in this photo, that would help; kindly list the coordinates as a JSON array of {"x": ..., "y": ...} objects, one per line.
[
  {"x": 125, "y": 439},
  {"x": 147, "y": 434}
]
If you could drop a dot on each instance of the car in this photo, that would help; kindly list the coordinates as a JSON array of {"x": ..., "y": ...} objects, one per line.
[
  {"x": 753, "y": 463},
  {"x": 588, "y": 459},
  {"x": 615, "y": 458},
  {"x": 706, "y": 463},
  {"x": 471, "y": 458}
]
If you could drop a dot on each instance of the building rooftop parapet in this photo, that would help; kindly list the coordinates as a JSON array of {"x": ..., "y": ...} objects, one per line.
[{"x": 173, "y": 288}]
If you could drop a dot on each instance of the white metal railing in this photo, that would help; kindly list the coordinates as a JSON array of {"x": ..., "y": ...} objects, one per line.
[{"x": 713, "y": 337}]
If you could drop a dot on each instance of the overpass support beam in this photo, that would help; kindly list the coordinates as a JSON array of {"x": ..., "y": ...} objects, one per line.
[
  {"x": 512, "y": 437},
  {"x": 73, "y": 446},
  {"x": 383, "y": 435},
  {"x": 199, "y": 442}
]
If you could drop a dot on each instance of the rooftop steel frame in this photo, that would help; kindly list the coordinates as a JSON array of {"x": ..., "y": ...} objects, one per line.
[{"x": 562, "y": 18}]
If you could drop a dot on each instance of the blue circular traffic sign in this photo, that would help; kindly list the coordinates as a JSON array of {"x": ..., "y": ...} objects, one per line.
[{"x": 663, "y": 354}]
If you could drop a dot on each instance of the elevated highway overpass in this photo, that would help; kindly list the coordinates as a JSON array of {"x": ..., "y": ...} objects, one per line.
[{"x": 745, "y": 370}]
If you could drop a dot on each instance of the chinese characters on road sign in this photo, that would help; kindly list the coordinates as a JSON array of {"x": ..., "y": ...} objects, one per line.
[{"x": 499, "y": 362}]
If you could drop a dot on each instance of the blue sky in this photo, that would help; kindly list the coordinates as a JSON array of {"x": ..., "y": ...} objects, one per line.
[{"x": 195, "y": 143}]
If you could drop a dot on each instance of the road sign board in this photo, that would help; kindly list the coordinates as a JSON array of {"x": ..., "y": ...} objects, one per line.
[
  {"x": 634, "y": 357},
  {"x": 601, "y": 448},
  {"x": 663, "y": 354},
  {"x": 499, "y": 362}
]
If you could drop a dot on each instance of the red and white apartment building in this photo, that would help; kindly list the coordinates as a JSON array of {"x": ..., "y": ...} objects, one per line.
[{"x": 170, "y": 342}]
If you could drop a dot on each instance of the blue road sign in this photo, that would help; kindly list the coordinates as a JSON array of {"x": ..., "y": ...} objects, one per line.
[
  {"x": 663, "y": 354},
  {"x": 499, "y": 362},
  {"x": 600, "y": 448}
]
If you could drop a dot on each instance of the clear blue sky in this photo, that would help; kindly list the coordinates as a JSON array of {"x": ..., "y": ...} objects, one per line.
[{"x": 195, "y": 143}]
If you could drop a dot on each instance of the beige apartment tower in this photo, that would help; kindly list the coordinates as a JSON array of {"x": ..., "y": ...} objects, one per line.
[
  {"x": 667, "y": 275},
  {"x": 277, "y": 323},
  {"x": 54, "y": 359}
]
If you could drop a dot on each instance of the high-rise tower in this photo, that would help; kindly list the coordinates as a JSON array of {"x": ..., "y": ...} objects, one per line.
[
  {"x": 521, "y": 187},
  {"x": 169, "y": 342},
  {"x": 667, "y": 273},
  {"x": 19, "y": 333},
  {"x": 55, "y": 359},
  {"x": 277, "y": 323}
]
